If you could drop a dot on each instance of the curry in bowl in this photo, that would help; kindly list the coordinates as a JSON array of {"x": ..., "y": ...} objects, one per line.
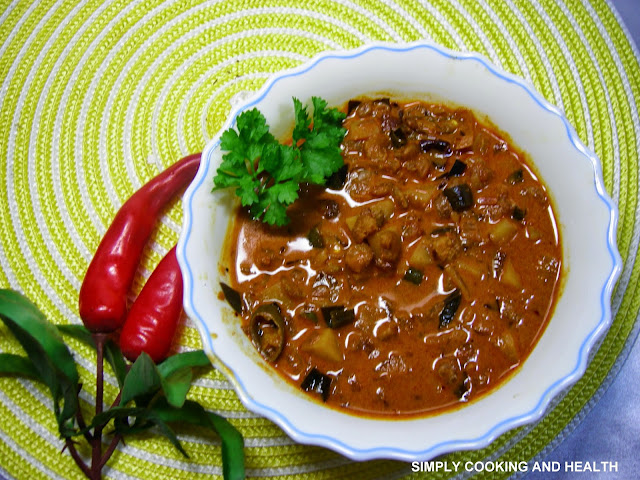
[{"x": 416, "y": 279}]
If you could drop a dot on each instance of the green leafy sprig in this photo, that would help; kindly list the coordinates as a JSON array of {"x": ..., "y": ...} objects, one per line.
[
  {"x": 267, "y": 174},
  {"x": 150, "y": 396}
]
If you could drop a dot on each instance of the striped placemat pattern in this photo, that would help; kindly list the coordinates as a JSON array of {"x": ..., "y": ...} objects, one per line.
[{"x": 96, "y": 97}]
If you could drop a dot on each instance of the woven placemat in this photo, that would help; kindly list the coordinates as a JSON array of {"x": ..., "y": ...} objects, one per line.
[{"x": 98, "y": 96}]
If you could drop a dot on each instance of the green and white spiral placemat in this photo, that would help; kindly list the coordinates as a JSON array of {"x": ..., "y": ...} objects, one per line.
[{"x": 96, "y": 97}]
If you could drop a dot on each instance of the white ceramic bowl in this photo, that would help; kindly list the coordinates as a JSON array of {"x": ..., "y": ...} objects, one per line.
[{"x": 587, "y": 220}]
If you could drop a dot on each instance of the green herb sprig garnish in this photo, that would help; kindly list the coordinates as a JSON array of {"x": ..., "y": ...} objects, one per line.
[{"x": 267, "y": 174}]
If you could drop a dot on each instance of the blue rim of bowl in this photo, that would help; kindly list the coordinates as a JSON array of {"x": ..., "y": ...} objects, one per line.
[{"x": 451, "y": 445}]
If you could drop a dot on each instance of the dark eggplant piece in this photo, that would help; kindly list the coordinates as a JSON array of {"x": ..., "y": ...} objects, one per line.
[
  {"x": 267, "y": 329},
  {"x": 451, "y": 304},
  {"x": 413, "y": 275},
  {"x": 318, "y": 382},
  {"x": 460, "y": 197},
  {"x": 398, "y": 138},
  {"x": 337, "y": 316},
  {"x": 337, "y": 180},
  {"x": 232, "y": 297},
  {"x": 456, "y": 170},
  {"x": 315, "y": 238},
  {"x": 516, "y": 177},
  {"x": 518, "y": 213},
  {"x": 440, "y": 146},
  {"x": 352, "y": 105}
]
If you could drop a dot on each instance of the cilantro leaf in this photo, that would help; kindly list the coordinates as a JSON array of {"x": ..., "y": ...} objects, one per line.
[
  {"x": 265, "y": 173},
  {"x": 285, "y": 192},
  {"x": 302, "y": 121},
  {"x": 253, "y": 128},
  {"x": 270, "y": 210},
  {"x": 321, "y": 155},
  {"x": 320, "y": 162},
  {"x": 327, "y": 118},
  {"x": 246, "y": 190},
  {"x": 281, "y": 162}
]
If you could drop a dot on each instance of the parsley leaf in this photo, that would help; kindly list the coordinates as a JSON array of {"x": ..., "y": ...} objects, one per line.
[{"x": 265, "y": 173}]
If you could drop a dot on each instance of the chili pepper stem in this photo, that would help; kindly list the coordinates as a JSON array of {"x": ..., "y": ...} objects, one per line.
[{"x": 98, "y": 459}]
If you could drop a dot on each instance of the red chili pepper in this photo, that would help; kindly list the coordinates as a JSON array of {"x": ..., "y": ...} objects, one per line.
[
  {"x": 153, "y": 318},
  {"x": 103, "y": 295}
]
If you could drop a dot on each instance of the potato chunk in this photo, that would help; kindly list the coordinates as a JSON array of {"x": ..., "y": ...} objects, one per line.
[{"x": 325, "y": 345}]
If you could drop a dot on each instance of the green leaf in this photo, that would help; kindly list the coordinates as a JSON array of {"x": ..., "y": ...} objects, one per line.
[
  {"x": 49, "y": 355},
  {"x": 176, "y": 374},
  {"x": 112, "y": 352},
  {"x": 281, "y": 162},
  {"x": 232, "y": 447},
  {"x": 285, "y": 193},
  {"x": 176, "y": 362},
  {"x": 327, "y": 119},
  {"x": 246, "y": 144},
  {"x": 321, "y": 153},
  {"x": 170, "y": 434},
  {"x": 42, "y": 363},
  {"x": 143, "y": 380},
  {"x": 230, "y": 141},
  {"x": 176, "y": 386},
  {"x": 79, "y": 332},
  {"x": 319, "y": 162},
  {"x": 115, "y": 413},
  {"x": 193, "y": 413},
  {"x": 246, "y": 190},
  {"x": 11, "y": 364},
  {"x": 114, "y": 356},
  {"x": 233, "y": 163},
  {"x": 270, "y": 210},
  {"x": 66, "y": 417},
  {"x": 19, "y": 313},
  {"x": 144, "y": 419},
  {"x": 140, "y": 424},
  {"x": 302, "y": 121},
  {"x": 253, "y": 127},
  {"x": 290, "y": 166}
]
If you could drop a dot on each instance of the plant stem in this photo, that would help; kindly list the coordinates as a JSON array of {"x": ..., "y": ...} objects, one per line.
[
  {"x": 116, "y": 402},
  {"x": 96, "y": 441},
  {"x": 83, "y": 425},
  {"x": 98, "y": 459},
  {"x": 115, "y": 440},
  {"x": 112, "y": 446},
  {"x": 76, "y": 458}
]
